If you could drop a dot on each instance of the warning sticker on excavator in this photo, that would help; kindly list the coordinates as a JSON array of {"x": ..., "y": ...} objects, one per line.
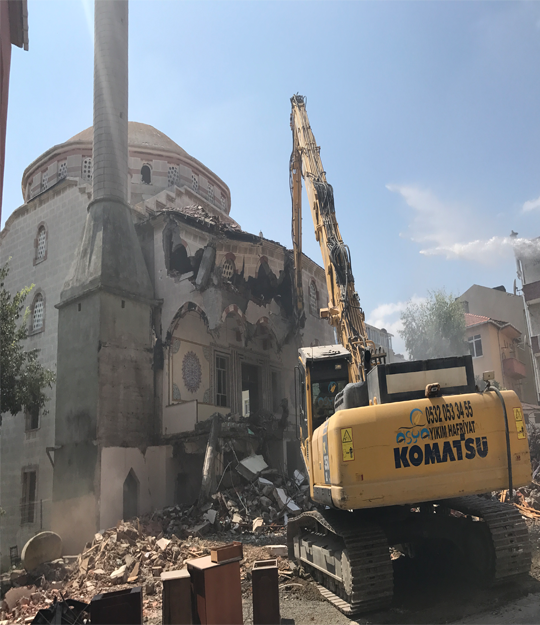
[
  {"x": 520, "y": 425},
  {"x": 347, "y": 446}
]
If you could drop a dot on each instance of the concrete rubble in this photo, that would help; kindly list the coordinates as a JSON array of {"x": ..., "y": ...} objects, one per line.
[
  {"x": 135, "y": 553},
  {"x": 527, "y": 498}
]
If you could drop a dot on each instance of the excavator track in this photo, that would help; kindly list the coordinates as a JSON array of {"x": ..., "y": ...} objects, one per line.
[
  {"x": 349, "y": 556},
  {"x": 510, "y": 550},
  {"x": 359, "y": 575}
]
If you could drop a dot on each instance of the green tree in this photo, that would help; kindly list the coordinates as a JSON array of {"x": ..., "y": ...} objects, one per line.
[
  {"x": 23, "y": 379},
  {"x": 434, "y": 328}
]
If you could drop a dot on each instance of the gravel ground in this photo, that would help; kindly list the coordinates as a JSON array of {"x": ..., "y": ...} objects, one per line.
[
  {"x": 422, "y": 596},
  {"x": 428, "y": 596}
]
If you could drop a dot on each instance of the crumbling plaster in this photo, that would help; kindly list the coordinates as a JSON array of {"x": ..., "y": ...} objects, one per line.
[{"x": 248, "y": 316}]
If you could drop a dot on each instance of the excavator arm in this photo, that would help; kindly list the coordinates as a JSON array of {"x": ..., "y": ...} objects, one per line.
[{"x": 344, "y": 311}]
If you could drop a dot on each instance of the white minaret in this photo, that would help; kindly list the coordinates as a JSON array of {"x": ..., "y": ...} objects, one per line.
[
  {"x": 110, "y": 255},
  {"x": 105, "y": 381},
  {"x": 110, "y": 157}
]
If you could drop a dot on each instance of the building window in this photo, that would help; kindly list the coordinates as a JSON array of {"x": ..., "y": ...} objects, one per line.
[
  {"x": 38, "y": 313},
  {"x": 44, "y": 181},
  {"x": 131, "y": 495},
  {"x": 227, "y": 270},
  {"x": 41, "y": 244},
  {"x": 62, "y": 170},
  {"x": 222, "y": 366},
  {"x": 251, "y": 389},
  {"x": 172, "y": 176},
  {"x": 475, "y": 346},
  {"x": 313, "y": 299},
  {"x": 146, "y": 174},
  {"x": 223, "y": 202},
  {"x": 211, "y": 192},
  {"x": 28, "y": 499},
  {"x": 32, "y": 418},
  {"x": 276, "y": 392},
  {"x": 194, "y": 182},
  {"x": 87, "y": 169}
]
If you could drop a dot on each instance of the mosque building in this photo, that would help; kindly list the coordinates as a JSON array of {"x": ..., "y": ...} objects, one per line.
[{"x": 156, "y": 311}]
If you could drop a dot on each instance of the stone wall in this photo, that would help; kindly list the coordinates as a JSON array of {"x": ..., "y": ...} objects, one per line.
[{"x": 62, "y": 210}]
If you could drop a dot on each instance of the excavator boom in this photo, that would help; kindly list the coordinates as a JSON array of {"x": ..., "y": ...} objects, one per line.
[{"x": 344, "y": 311}]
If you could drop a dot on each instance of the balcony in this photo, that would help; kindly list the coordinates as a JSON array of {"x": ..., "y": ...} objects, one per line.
[
  {"x": 513, "y": 368},
  {"x": 531, "y": 292}
]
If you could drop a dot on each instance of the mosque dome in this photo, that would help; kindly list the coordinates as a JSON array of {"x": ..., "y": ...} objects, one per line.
[
  {"x": 139, "y": 135},
  {"x": 156, "y": 162}
]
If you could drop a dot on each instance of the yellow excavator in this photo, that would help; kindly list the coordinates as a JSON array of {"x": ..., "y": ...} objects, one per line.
[{"x": 398, "y": 454}]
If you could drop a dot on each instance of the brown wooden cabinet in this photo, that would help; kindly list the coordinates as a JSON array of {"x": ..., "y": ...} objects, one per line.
[{"x": 216, "y": 592}]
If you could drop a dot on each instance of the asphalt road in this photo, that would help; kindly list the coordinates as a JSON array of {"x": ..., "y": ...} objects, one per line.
[{"x": 301, "y": 612}]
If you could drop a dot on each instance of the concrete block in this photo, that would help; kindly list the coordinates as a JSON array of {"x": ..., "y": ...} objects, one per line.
[
  {"x": 251, "y": 466},
  {"x": 210, "y": 515},
  {"x": 13, "y": 595},
  {"x": 276, "y": 551},
  {"x": 205, "y": 268},
  {"x": 257, "y": 525},
  {"x": 281, "y": 497}
]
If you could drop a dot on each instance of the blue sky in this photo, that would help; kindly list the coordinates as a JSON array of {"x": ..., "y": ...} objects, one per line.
[{"x": 427, "y": 114}]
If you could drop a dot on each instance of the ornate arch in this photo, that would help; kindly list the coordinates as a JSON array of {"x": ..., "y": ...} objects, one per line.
[
  {"x": 263, "y": 328},
  {"x": 233, "y": 310},
  {"x": 186, "y": 308}
]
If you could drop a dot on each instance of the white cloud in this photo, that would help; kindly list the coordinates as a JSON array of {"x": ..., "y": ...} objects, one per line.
[
  {"x": 444, "y": 228},
  {"x": 485, "y": 251},
  {"x": 531, "y": 205}
]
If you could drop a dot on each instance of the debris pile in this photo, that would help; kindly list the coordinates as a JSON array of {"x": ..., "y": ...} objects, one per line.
[
  {"x": 131, "y": 554},
  {"x": 197, "y": 215},
  {"x": 260, "y": 506},
  {"x": 533, "y": 437},
  {"x": 135, "y": 553},
  {"x": 527, "y": 498}
]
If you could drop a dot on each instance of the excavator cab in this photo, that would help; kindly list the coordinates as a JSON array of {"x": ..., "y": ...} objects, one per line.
[{"x": 324, "y": 372}]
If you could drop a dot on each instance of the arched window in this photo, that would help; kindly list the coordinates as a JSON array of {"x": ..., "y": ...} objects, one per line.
[
  {"x": 146, "y": 174},
  {"x": 41, "y": 244},
  {"x": 38, "y": 313},
  {"x": 313, "y": 299},
  {"x": 180, "y": 261},
  {"x": 172, "y": 175},
  {"x": 227, "y": 271},
  {"x": 131, "y": 496},
  {"x": 87, "y": 169}
]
